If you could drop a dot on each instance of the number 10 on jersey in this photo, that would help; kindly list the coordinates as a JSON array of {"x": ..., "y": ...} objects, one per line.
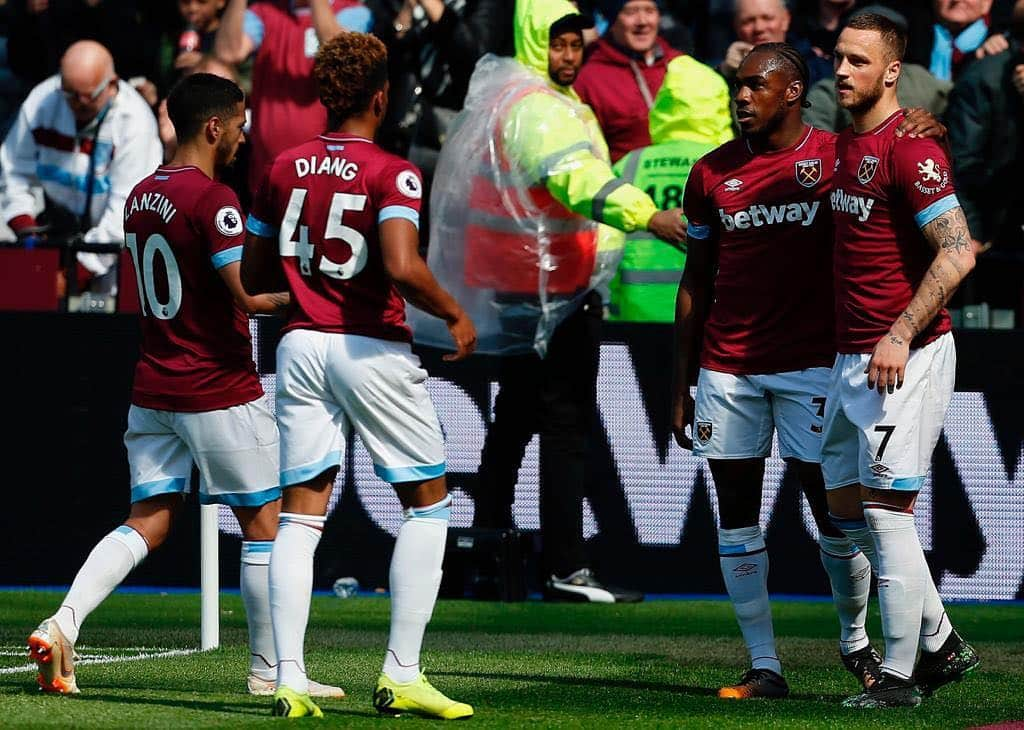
[{"x": 335, "y": 229}]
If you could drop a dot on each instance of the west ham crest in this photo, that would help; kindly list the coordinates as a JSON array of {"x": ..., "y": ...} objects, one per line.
[
  {"x": 704, "y": 429},
  {"x": 808, "y": 172},
  {"x": 868, "y": 168}
]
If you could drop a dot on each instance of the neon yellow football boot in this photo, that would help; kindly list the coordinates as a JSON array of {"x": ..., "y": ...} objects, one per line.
[
  {"x": 418, "y": 697},
  {"x": 289, "y": 703}
]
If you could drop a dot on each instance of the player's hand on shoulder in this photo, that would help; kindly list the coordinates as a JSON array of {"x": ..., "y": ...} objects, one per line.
[
  {"x": 682, "y": 415},
  {"x": 668, "y": 225},
  {"x": 463, "y": 332},
  {"x": 918, "y": 122},
  {"x": 888, "y": 363}
]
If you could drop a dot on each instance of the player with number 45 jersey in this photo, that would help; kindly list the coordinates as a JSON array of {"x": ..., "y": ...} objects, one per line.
[
  {"x": 337, "y": 221},
  {"x": 197, "y": 398}
]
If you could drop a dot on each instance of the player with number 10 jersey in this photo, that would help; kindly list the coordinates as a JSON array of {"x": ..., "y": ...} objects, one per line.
[{"x": 196, "y": 354}]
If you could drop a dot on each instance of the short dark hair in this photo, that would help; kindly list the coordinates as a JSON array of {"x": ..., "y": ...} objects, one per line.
[
  {"x": 894, "y": 36},
  {"x": 792, "y": 58},
  {"x": 349, "y": 69},
  {"x": 197, "y": 98}
]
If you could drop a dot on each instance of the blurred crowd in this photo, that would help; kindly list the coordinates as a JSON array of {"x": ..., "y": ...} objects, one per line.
[{"x": 82, "y": 84}]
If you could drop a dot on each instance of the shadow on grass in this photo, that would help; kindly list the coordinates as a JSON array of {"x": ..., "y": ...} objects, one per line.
[
  {"x": 628, "y": 684},
  {"x": 585, "y": 682},
  {"x": 255, "y": 709}
]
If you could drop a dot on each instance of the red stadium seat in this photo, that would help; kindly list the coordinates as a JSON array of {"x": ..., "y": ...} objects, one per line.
[{"x": 28, "y": 279}]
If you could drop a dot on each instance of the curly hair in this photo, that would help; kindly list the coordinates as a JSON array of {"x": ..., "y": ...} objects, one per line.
[{"x": 349, "y": 69}]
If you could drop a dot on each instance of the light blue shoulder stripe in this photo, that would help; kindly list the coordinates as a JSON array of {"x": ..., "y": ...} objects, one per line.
[
  {"x": 698, "y": 232},
  {"x": 936, "y": 209},
  {"x": 227, "y": 256},
  {"x": 258, "y": 228},
  {"x": 399, "y": 211}
]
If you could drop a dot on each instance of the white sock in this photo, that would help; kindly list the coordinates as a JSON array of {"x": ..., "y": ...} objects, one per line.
[
  {"x": 849, "y": 573},
  {"x": 291, "y": 586},
  {"x": 859, "y": 534},
  {"x": 901, "y": 580},
  {"x": 254, "y": 581},
  {"x": 744, "y": 561},
  {"x": 415, "y": 578},
  {"x": 935, "y": 625},
  {"x": 109, "y": 563}
]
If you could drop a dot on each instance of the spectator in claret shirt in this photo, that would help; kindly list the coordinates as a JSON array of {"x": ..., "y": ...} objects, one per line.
[
  {"x": 624, "y": 72},
  {"x": 284, "y": 36}
]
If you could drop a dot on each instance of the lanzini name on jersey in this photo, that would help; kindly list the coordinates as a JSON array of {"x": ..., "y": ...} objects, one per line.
[{"x": 155, "y": 202}]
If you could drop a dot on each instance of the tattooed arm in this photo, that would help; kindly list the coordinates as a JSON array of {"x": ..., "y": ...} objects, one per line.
[{"x": 949, "y": 235}]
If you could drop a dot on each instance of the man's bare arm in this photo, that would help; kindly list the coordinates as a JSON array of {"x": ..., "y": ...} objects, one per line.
[
  {"x": 325, "y": 24},
  {"x": 231, "y": 43},
  {"x": 951, "y": 238},
  {"x": 261, "y": 271},
  {"x": 691, "y": 300}
]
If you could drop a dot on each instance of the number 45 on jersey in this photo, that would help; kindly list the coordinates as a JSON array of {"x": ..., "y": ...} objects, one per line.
[{"x": 335, "y": 229}]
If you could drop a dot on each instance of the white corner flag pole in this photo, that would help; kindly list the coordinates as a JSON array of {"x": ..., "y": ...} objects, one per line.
[{"x": 209, "y": 568}]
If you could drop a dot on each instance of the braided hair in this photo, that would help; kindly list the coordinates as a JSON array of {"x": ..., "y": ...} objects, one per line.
[{"x": 791, "y": 57}]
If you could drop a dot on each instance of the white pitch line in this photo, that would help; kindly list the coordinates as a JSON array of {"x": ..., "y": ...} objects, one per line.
[{"x": 108, "y": 660}]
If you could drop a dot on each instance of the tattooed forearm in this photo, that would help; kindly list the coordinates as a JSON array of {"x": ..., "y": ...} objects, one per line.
[
  {"x": 911, "y": 322},
  {"x": 949, "y": 236}
]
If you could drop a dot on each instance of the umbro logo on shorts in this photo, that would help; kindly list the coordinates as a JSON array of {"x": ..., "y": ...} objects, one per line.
[
  {"x": 879, "y": 470},
  {"x": 704, "y": 429},
  {"x": 744, "y": 569}
]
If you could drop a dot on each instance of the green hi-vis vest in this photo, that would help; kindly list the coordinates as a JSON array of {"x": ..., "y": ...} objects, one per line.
[{"x": 644, "y": 289}]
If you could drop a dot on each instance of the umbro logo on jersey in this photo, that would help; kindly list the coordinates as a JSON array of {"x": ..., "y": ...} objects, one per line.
[
  {"x": 808, "y": 172},
  {"x": 868, "y": 168},
  {"x": 856, "y": 205},
  {"x": 767, "y": 215},
  {"x": 732, "y": 185}
]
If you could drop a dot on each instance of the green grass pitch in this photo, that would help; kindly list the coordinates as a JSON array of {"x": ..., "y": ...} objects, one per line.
[{"x": 547, "y": 665}]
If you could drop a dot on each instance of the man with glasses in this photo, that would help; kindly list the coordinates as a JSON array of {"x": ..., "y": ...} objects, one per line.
[{"x": 86, "y": 138}]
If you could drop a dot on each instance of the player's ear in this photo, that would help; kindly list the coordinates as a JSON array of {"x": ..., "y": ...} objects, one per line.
[
  {"x": 794, "y": 91},
  {"x": 380, "y": 102},
  {"x": 214, "y": 129},
  {"x": 892, "y": 72}
]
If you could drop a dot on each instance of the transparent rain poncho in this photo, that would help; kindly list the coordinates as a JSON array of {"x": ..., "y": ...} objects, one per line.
[{"x": 515, "y": 258}]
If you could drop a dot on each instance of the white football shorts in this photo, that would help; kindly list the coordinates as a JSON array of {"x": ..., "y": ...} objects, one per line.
[
  {"x": 886, "y": 441},
  {"x": 235, "y": 449},
  {"x": 735, "y": 415},
  {"x": 329, "y": 384}
]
